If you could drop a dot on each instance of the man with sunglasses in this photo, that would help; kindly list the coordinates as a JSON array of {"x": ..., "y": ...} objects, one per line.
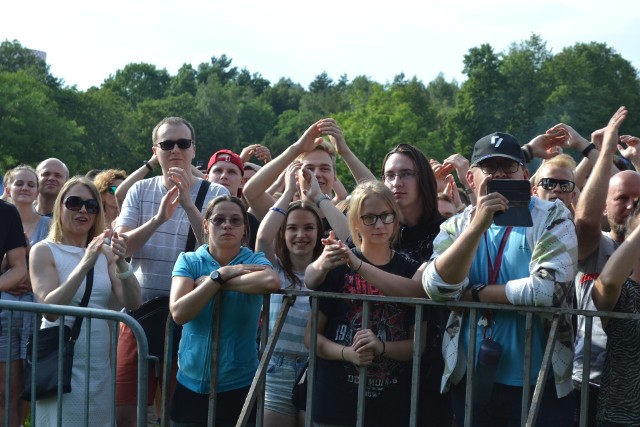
[
  {"x": 477, "y": 260},
  {"x": 156, "y": 217},
  {"x": 555, "y": 179}
]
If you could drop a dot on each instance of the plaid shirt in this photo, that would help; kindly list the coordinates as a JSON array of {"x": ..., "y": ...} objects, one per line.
[{"x": 550, "y": 284}]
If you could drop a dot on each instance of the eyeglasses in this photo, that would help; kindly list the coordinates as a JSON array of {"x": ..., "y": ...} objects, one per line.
[
  {"x": 566, "y": 186},
  {"x": 386, "y": 218},
  {"x": 112, "y": 189},
  {"x": 404, "y": 175},
  {"x": 75, "y": 203},
  {"x": 168, "y": 144},
  {"x": 490, "y": 167},
  {"x": 220, "y": 220}
]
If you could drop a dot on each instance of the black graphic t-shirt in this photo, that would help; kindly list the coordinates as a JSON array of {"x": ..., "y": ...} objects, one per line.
[{"x": 388, "y": 381}]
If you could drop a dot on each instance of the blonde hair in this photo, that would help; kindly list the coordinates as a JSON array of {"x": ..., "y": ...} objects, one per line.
[
  {"x": 564, "y": 161},
  {"x": 55, "y": 232},
  {"x": 359, "y": 195},
  {"x": 327, "y": 147}
]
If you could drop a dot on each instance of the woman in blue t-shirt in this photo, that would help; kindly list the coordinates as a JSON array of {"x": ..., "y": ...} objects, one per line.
[{"x": 221, "y": 267}]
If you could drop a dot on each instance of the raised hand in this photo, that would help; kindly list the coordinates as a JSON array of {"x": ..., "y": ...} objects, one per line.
[
  {"x": 334, "y": 254},
  {"x": 610, "y": 136},
  {"x": 487, "y": 206}
]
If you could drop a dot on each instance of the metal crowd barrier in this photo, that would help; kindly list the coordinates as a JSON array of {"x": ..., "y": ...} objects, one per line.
[
  {"x": 115, "y": 317},
  {"x": 529, "y": 407}
]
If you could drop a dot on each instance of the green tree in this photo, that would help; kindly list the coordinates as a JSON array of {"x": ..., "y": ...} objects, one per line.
[
  {"x": 30, "y": 127},
  {"x": 138, "y": 82},
  {"x": 185, "y": 81},
  {"x": 15, "y": 57}
]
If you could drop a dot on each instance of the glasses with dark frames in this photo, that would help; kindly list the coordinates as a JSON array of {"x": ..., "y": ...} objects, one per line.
[
  {"x": 168, "y": 144},
  {"x": 218, "y": 221},
  {"x": 75, "y": 203},
  {"x": 490, "y": 167},
  {"x": 371, "y": 219},
  {"x": 566, "y": 186},
  {"x": 112, "y": 189}
]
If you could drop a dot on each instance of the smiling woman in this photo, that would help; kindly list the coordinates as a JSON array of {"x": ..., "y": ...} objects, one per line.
[{"x": 58, "y": 268}]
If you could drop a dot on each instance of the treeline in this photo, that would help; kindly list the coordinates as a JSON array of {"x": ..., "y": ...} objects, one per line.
[{"x": 523, "y": 91}]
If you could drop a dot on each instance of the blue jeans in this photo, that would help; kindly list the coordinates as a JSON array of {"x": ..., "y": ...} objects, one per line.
[{"x": 504, "y": 406}]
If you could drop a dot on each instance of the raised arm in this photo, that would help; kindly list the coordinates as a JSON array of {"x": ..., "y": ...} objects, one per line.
[
  {"x": 592, "y": 201},
  {"x": 311, "y": 192},
  {"x": 255, "y": 191},
  {"x": 360, "y": 172},
  {"x": 607, "y": 288},
  {"x": 334, "y": 254},
  {"x": 135, "y": 176},
  {"x": 273, "y": 220}
]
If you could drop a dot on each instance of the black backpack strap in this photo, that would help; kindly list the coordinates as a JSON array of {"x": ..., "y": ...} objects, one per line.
[
  {"x": 202, "y": 193},
  {"x": 75, "y": 331}
]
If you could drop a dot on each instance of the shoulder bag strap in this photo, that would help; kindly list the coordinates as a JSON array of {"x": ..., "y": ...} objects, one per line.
[
  {"x": 75, "y": 331},
  {"x": 202, "y": 193}
]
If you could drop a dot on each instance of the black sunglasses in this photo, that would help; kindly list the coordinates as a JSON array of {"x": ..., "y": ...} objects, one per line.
[
  {"x": 168, "y": 144},
  {"x": 566, "y": 186},
  {"x": 75, "y": 203}
]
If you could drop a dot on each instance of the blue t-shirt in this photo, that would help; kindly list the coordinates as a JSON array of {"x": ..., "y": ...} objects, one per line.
[
  {"x": 238, "y": 357},
  {"x": 508, "y": 327}
]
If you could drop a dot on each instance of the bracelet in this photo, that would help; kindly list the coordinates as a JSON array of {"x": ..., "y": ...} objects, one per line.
[
  {"x": 384, "y": 348},
  {"x": 277, "y": 209},
  {"x": 587, "y": 150},
  {"x": 359, "y": 267},
  {"x": 324, "y": 197},
  {"x": 148, "y": 166},
  {"x": 125, "y": 274},
  {"x": 528, "y": 154},
  {"x": 343, "y": 347}
]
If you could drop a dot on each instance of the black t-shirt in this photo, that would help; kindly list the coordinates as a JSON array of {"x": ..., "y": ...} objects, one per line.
[
  {"x": 11, "y": 232},
  {"x": 388, "y": 381},
  {"x": 254, "y": 224}
]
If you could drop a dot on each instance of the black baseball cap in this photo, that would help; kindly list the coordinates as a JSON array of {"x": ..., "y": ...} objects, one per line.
[{"x": 497, "y": 144}]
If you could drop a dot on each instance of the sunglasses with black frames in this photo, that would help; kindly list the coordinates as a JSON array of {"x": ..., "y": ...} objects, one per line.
[
  {"x": 75, "y": 203},
  {"x": 566, "y": 186},
  {"x": 168, "y": 144}
]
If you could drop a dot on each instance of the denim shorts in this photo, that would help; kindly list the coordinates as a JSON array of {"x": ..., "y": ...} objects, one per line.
[
  {"x": 21, "y": 328},
  {"x": 282, "y": 373}
]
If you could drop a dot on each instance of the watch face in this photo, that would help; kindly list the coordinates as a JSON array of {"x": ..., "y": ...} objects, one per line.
[{"x": 215, "y": 276}]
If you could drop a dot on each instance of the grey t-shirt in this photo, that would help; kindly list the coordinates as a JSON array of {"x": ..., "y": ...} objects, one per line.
[{"x": 154, "y": 261}]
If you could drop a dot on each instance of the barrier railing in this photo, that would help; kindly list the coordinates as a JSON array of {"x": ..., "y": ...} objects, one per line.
[
  {"x": 529, "y": 407},
  {"x": 115, "y": 317}
]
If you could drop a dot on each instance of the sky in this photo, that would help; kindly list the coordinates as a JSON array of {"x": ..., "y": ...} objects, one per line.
[{"x": 87, "y": 41}]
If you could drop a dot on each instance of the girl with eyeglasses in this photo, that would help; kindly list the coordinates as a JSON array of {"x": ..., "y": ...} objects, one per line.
[
  {"x": 222, "y": 267},
  {"x": 21, "y": 190},
  {"x": 386, "y": 346},
  {"x": 290, "y": 237},
  {"x": 58, "y": 266}
]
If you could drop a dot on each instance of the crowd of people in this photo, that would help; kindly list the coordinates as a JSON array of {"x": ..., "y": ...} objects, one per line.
[{"x": 194, "y": 241}]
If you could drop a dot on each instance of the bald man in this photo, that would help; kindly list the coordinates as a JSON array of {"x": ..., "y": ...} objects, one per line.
[{"x": 52, "y": 174}]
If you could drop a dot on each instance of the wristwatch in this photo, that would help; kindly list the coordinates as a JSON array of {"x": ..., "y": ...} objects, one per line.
[
  {"x": 475, "y": 291},
  {"x": 216, "y": 277}
]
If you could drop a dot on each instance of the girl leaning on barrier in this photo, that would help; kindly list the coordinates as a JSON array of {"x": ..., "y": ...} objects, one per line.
[
  {"x": 386, "y": 346},
  {"x": 290, "y": 237},
  {"x": 58, "y": 267},
  {"x": 618, "y": 289},
  {"x": 225, "y": 268}
]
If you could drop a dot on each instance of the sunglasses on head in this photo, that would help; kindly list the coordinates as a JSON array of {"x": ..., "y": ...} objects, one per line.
[
  {"x": 75, "y": 203},
  {"x": 566, "y": 186},
  {"x": 168, "y": 144}
]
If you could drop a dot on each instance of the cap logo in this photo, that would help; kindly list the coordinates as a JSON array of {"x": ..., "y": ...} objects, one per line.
[
  {"x": 496, "y": 140},
  {"x": 225, "y": 157}
]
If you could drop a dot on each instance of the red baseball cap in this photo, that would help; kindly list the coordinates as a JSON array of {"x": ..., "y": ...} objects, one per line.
[{"x": 226, "y": 156}]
